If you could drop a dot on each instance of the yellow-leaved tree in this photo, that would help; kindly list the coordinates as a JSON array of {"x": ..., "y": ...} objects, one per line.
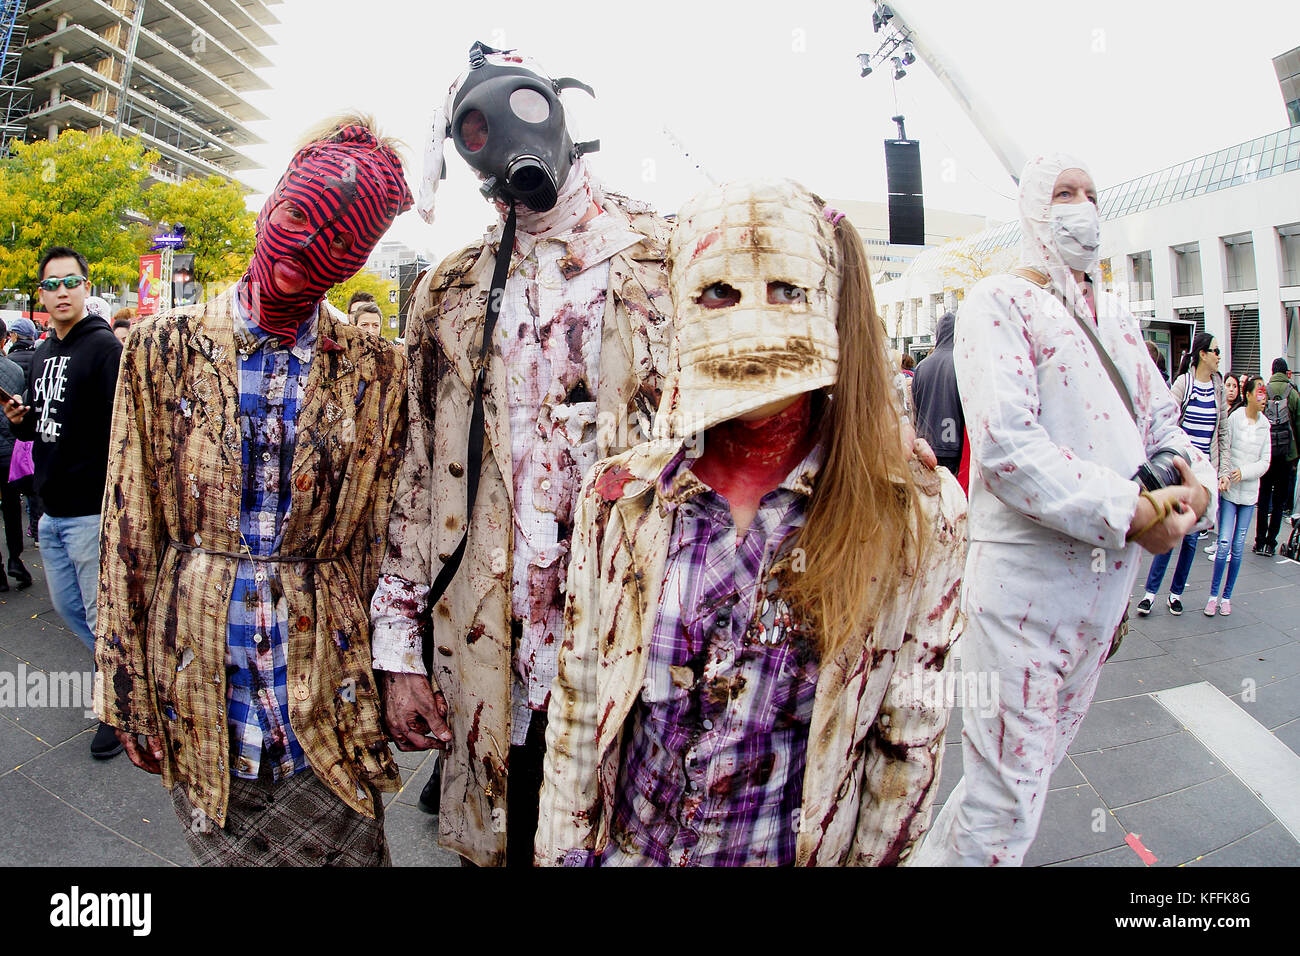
[
  {"x": 365, "y": 281},
  {"x": 75, "y": 191},
  {"x": 218, "y": 226}
]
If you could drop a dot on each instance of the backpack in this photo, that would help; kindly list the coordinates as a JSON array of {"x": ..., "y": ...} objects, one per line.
[{"x": 1278, "y": 414}]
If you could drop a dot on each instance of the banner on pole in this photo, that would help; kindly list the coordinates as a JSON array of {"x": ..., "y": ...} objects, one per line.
[{"x": 152, "y": 286}]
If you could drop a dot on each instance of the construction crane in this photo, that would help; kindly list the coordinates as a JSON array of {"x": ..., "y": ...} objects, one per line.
[
  {"x": 15, "y": 100},
  {"x": 902, "y": 46}
]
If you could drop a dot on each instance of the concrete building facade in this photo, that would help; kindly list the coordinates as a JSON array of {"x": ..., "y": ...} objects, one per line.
[{"x": 174, "y": 73}]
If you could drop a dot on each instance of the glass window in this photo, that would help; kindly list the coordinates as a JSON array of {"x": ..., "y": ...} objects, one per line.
[
  {"x": 1290, "y": 241},
  {"x": 1140, "y": 284},
  {"x": 1187, "y": 269},
  {"x": 1239, "y": 256}
]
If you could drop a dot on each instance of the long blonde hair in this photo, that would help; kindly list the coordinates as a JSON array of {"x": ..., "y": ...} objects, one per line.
[{"x": 862, "y": 534}]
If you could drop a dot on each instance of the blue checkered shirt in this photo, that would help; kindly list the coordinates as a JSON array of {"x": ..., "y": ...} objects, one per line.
[{"x": 272, "y": 378}]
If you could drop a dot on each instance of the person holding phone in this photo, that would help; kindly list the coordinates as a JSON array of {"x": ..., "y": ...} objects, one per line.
[{"x": 66, "y": 409}]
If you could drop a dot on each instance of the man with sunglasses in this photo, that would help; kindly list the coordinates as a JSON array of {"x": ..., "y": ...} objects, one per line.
[
  {"x": 255, "y": 440},
  {"x": 66, "y": 410}
]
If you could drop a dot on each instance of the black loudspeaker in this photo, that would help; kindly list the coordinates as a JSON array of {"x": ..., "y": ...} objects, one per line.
[{"x": 906, "y": 207}]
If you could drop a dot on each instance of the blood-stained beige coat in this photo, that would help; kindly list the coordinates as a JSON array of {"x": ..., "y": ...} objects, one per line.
[
  {"x": 880, "y": 711},
  {"x": 471, "y": 624},
  {"x": 175, "y": 475}
]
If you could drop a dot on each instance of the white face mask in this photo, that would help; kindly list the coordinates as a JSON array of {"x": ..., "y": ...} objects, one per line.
[{"x": 1077, "y": 232}]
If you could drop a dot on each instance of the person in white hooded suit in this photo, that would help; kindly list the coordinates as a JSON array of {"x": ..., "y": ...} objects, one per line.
[{"x": 1057, "y": 522}]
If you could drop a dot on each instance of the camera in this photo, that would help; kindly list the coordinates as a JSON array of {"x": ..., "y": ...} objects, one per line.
[{"x": 1159, "y": 470}]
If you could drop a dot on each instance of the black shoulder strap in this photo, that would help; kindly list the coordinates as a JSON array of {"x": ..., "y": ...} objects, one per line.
[
  {"x": 474, "y": 457},
  {"x": 1042, "y": 281}
]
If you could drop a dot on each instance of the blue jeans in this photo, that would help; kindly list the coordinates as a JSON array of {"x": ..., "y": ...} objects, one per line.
[
  {"x": 70, "y": 554},
  {"x": 1186, "y": 557},
  {"x": 1234, "y": 522}
]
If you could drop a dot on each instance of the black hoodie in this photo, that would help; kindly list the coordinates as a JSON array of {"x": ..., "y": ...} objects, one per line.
[
  {"x": 70, "y": 390},
  {"x": 939, "y": 418}
]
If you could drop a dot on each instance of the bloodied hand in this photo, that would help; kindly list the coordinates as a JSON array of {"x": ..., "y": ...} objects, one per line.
[
  {"x": 415, "y": 716},
  {"x": 147, "y": 757}
]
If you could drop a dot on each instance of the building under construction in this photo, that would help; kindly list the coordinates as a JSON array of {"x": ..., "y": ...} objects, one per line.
[{"x": 174, "y": 73}]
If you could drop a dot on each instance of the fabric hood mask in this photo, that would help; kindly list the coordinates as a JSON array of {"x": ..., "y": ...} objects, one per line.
[
  {"x": 347, "y": 188},
  {"x": 1049, "y": 234},
  {"x": 748, "y": 239}
]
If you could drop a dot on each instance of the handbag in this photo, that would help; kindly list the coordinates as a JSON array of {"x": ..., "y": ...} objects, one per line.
[
  {"x": 1042, "y": 281},
  {"x": 20, "y": 464}
]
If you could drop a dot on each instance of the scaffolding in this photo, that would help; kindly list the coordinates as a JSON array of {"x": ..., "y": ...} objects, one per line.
[{"x": 15, "y": 99}]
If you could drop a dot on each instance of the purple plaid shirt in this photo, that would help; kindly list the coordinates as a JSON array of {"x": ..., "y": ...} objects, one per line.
[{"x": 712, "y": 772}]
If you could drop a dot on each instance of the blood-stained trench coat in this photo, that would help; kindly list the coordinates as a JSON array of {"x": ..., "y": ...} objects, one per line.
[
  {"x": 880, "y": 711},
  {"x": 175, "y": 475},
  {"x": 472, "y": 647}
]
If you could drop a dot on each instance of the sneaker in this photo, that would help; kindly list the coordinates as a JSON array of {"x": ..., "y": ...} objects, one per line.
[
  {"x": 1210, "y": 551},
  {"x": 105, "y": 744},
  {"x": 1211, "y": 606},
  {"x": 1175, "y": 605},
  {"x": 1258, "y": 549},
  {"x": 1270, "y": 550},
  {"x": 1144, "y": 607},
  {"x": 1225, "y": 608}
]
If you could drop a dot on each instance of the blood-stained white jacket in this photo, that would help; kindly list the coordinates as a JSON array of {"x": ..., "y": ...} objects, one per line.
[{"x": 1053, "y": 448}]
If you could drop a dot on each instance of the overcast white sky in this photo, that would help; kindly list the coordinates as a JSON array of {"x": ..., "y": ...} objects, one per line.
[{"x": 772, "y": 88}]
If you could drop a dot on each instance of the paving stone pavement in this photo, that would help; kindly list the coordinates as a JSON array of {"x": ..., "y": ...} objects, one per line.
[{"x": 1132, "y": 769}]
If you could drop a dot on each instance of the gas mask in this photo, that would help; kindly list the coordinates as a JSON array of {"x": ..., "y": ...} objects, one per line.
[
  {"x": 507, "y": 121},
  {"x": 755, "y": 279}
]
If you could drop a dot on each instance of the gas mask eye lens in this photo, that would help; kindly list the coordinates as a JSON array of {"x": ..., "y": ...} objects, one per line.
[
  {"x": 718, "y": 296},
  {"x": 474, "y": 131},
  {"x": 530, "y": 106}
]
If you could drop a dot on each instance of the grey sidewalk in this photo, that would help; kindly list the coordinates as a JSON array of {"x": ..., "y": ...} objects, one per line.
[
  {"x": 1146, "y": 772},
  {"x": 1133, "y": 766}
]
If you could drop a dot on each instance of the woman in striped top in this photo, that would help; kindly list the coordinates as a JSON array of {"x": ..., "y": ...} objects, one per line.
[{"x": 1199, "y": 391}]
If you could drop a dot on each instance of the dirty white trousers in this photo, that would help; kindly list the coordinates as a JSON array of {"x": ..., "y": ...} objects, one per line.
[{"x": 1041, "y": 618}]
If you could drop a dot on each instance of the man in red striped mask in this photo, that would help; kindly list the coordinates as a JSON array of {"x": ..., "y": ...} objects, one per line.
[{"x": 255, "y": 439}]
